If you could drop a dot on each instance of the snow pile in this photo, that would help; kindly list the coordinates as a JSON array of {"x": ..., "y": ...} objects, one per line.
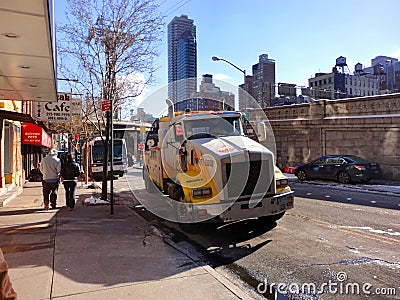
[{"x": 95, "y": 201}]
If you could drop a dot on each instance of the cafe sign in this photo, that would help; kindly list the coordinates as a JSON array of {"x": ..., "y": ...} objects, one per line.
[{"x": 60, "y": 111}]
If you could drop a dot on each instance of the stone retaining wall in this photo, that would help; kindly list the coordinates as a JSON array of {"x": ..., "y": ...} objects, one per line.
[{"x": 367, "y": 127}]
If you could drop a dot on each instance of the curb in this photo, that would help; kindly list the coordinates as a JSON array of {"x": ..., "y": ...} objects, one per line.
[{"x": 225, "y": 281}]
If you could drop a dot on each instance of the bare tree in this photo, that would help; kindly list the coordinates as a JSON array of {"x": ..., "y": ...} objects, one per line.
[{"x": 102, "y": 42}]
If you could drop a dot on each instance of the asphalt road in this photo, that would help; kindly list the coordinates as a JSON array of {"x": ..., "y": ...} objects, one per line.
[
  {"x": 351, "y": 194},
  {"x": 335, "y": 244}
]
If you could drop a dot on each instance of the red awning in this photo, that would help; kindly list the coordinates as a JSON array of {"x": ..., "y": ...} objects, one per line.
[{"x": 35, "y": 135}]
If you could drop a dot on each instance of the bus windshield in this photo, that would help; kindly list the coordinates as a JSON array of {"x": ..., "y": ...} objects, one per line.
[{"x": 98, "y": 151}]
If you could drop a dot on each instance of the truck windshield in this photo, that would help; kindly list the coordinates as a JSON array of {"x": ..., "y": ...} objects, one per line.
[{"x": 212, "y": 127}]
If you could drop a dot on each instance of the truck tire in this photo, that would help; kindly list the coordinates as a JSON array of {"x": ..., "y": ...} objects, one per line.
[{"x": 176, "y": 192}]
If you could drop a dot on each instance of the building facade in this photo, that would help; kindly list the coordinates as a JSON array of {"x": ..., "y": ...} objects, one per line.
[
  {"x": 209, "y": 97},
  {"x": 22, "y": 139},
  {"x": 245, "y": 92},
  {"x": 388, "y": 68},
  {"x": 337, "y": 85},
  {"x": 264, "y": 80},
  {"x": 182, "y": 58}
]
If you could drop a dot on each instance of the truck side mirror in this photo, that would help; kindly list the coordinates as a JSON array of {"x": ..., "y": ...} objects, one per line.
[
  {"x": 261, "y": 131},
  {"x": 178, "y": 132}
]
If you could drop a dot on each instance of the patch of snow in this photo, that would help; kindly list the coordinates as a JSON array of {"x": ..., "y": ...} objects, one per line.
[
  {"x": 93, "y": 201},
  {"x": 389, "y": 232}
]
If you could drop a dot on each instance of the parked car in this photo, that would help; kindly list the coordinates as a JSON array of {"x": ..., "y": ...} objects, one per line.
[{"x": 343, "y": 168}]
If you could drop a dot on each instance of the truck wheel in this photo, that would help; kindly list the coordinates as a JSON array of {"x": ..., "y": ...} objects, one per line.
[{"x": 176, "y": 192}]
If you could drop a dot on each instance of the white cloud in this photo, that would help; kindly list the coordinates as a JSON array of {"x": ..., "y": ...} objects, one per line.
[{"x": 221, "y": 76}]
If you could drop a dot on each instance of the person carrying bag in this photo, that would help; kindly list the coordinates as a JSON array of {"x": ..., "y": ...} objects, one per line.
[{"x": 70, "y": 172}]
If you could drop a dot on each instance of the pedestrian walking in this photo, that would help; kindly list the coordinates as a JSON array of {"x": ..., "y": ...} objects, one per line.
[
  {"x": 50, "y": 168},
  {"x": 70, "y": 172}
]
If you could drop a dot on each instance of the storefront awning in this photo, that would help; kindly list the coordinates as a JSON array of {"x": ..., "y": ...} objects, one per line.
[
  {"x": 35, "y": 135},
  {"x": 12, "y": 115},
  {"x": 27, "y": 50}
]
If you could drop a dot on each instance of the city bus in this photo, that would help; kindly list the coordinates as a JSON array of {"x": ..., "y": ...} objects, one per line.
[{"x": 96, "y": 157}]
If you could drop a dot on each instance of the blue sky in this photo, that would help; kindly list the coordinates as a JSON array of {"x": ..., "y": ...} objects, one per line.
[{"x": 303, "y": 37}]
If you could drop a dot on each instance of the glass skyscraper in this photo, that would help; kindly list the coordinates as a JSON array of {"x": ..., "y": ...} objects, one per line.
[{"x": 182, "y": 59}]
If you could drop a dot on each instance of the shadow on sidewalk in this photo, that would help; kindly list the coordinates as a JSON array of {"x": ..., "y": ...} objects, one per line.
[
  {"x": 87, "y": 250},
  {"x": 20, "y": 211}
]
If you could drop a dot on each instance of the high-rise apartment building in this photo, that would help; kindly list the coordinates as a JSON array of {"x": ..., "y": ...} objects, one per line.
[
  {"x": 182, "y": 59},
  {"x": 246, "y": 93},
  {"x": 264, "y": 80}
]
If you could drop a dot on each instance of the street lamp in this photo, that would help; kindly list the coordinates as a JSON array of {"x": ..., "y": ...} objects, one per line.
[{"x": 215, "y": 58}]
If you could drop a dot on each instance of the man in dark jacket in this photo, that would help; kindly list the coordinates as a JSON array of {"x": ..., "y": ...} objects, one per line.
[{"x": 70, "y": 172}]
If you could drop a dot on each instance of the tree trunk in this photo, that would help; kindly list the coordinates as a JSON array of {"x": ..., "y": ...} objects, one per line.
[{"x": 105, "y": 159}]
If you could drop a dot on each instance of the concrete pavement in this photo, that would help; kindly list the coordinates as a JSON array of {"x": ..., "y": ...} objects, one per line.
[{"x": 89, "y": 254}]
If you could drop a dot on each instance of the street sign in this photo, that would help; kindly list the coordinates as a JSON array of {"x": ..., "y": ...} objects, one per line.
[
  {"x": 106, "y": 105},
  {"x": 142, "y": 129},
  {"x": 141, "y": 147},
  {"x": 60, "y": 111}
]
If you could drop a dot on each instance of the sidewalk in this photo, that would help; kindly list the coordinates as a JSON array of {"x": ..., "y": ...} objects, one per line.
[{"x": 89, "y": 254}]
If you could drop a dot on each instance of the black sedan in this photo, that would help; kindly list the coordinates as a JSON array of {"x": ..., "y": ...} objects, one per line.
[{"x": 343, "y": 168}]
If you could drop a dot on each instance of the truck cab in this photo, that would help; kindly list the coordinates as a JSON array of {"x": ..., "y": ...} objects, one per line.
[{"x": 206, "y": 160}]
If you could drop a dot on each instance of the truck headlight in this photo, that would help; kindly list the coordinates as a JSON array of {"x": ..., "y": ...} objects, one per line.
[
  {"x": 201, "y": 192},
  {"x": 282, "y": 182}
]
